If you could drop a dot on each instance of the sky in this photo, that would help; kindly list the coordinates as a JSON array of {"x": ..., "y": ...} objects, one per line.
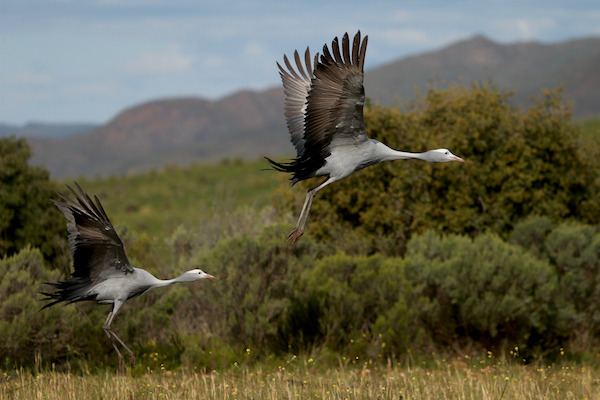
[{"x": 68, "y": 61}]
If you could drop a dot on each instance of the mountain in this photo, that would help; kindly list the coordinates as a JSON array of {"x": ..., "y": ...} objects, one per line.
[
  {"x": 523, "y": 67},
  {"x": 246, "y": 125},
  {"x": 251, "y": 124},
  {"x": 42, "y": 130}
]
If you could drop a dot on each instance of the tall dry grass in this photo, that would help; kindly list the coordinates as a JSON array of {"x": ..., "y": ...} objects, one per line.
[{"x": 457, "y": 379}]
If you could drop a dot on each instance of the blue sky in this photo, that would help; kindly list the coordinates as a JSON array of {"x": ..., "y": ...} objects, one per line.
[{"x": 87, "y": 60}]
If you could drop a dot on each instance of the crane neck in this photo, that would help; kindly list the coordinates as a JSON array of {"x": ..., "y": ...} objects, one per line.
[
  {"x": 180, "y": 279},
  {"x": 386, "y": 153},
  {"x": 156, "y": 283}
]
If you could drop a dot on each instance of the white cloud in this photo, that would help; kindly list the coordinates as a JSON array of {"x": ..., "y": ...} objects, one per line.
[
  {"x": 28, "y": 78},
  {"x": 222, "y": 33},
  {"x": 90, "y": 89},
  {"x": 406, "y": 36},
  {"x": 213, "y": 61},
  {"x": 401, "y": 16},
  {"x": 170, "y": 59},
  {"x": 254, "y": 49},
  {"x": 523, "y": 28}
]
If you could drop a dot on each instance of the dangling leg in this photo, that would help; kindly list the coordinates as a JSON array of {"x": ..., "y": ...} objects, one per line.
[
  {"x": 111, "y": 334},
  {"x": 310, "y": 195},
  {"x": 108, "y": 331}
]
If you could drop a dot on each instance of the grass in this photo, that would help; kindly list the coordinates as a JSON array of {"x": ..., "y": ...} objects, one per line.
[
  {"x": 158, "y": 201},
  {"x": 590, "y": 137},
  {"x": 458, "y": 379}
]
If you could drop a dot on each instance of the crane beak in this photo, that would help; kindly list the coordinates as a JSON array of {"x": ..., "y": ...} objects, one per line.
[
  {"x": 456, "y": 158},
  {"x": 210, "y": 276}
]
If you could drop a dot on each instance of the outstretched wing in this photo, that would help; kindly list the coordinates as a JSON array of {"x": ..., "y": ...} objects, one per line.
[
  {"x": 324, "y": 105},
  {"x": 96, "y": 249}
]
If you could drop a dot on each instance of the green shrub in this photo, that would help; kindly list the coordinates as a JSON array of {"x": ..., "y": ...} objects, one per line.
[
  {"x": 480, "y": 291},
  {"x": 518, "y": 163},
  {"x": 58, "y": 334},
  {"x": 256, "y": 280},
  {"x": 574, "y": 250},
  {"x": 27, "y": 217}
]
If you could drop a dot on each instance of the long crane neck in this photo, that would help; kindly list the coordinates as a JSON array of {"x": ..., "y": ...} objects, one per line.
[
  {"x": 154, "y": 282},
  {"x": 180, "y": 279},
  {"x": 385, "y": 153}
]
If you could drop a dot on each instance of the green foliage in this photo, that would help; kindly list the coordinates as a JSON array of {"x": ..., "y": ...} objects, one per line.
[
  {"x": 57, "y": 334},
  {"x": 518, "y": 163},
  {"x": 271, "y": 299},
  {"x": 26, "y": 214},
  {"x": 357, "y": 303},
  {"x": 480, "y": 290},
  {"x": 157, "y": 202},
  {"x": 502, "y": 269},
  {"x": 255, "y": 285}
]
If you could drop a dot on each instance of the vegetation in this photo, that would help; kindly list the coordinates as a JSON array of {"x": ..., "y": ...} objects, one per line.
[
  {"x": 483, "y": 378},
  {"x": 403, "y": 264},
  {"x": 159, "y": 201},
  {"x": 518, "y": 164},
  {"x": 25, "y": 214}
]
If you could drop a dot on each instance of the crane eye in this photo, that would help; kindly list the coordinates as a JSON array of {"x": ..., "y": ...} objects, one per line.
[{"x": 446, "y": 152}]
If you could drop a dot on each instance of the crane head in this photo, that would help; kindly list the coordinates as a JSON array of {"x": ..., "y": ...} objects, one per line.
[
  {"x": 441, "y": 155},
  {"x": 195, "y": 275}
]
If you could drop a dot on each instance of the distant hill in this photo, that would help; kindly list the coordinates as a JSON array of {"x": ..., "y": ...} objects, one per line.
[
  {"x": 42, "y": 130},
  {"x": 523, "y": 67},
  {"x": 246, "y": 125},
  {"x": 251, "y": 124}
]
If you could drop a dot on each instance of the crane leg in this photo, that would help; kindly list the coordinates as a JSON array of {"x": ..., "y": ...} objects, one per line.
[
  {"x": 112, "y": 336},
  {"x": 295, "y": 234},
  {"x": 298, "y": 230}
]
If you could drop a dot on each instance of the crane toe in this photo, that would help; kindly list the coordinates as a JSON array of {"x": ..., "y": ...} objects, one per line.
[{"x": 294, "y": 235}]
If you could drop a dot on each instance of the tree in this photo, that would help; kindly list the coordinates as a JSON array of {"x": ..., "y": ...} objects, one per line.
[
  {"x": 518, "y": 163},
  {"x": 26, "y": 214}
]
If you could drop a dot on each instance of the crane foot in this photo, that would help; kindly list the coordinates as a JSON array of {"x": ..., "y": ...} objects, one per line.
[{"x": 294, "y": 235}]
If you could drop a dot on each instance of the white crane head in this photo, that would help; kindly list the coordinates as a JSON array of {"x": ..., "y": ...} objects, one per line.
[
  {"x": 194, "y": 275},
  {"x": 440, "y": 155}
]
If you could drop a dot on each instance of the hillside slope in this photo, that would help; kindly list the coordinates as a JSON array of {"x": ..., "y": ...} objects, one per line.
[{"x": 251, "y": 124}]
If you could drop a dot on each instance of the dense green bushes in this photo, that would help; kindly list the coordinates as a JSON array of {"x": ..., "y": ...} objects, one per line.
[
  {"x": 402, "y": 257},
  {"x": 26, "y": 214},
  {"x": 519, "y": 163},
  {"x": 270, "y": 299}
]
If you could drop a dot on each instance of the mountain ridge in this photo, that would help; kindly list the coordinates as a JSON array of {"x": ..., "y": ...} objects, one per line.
[{"x": 250, "y": 124}]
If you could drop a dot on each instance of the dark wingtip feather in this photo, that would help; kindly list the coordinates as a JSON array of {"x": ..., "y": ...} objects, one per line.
[
  {"x": 363, "y": 52},
  {"x": 307, "y": 62}
]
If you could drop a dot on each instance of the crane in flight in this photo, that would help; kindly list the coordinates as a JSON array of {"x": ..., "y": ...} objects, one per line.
[
  {"x": 324, "y": 114},
  {"x": 102, "y": 271}
]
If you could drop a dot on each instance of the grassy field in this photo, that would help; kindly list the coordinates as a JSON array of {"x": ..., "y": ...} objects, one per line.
[
  {"x": 458, "y": 379},
  {"x": 157, "y": 201},
  {"x": 590, "y": 128}
]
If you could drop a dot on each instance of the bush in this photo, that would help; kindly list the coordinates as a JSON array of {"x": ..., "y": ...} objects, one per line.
[
  {"x": 481, "y": 291},
  {"x": 353, "y": 304},
  {"x": 27, "y": 217},
  {"x": 518, "y": 164},
  {"x": 573, "y": 250},
  {"x": 58, "y": 334}
]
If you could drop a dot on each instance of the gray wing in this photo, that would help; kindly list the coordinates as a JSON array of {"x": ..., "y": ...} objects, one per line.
[
  {"x": 296, "y": 88},
  {"x": 97, "y": 251},
  {"x": 334, "y": 115}
]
